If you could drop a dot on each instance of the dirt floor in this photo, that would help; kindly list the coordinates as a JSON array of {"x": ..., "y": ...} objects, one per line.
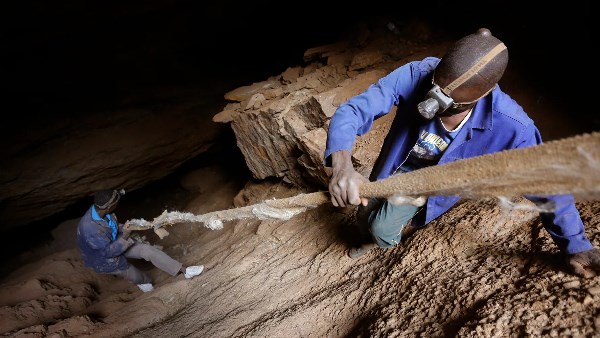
[
  {"x": 487, "y": 268},
  {"x": 483, "y": 269}
]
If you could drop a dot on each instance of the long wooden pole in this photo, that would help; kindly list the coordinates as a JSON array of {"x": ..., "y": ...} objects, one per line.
[{"x": 566, "y": 166}]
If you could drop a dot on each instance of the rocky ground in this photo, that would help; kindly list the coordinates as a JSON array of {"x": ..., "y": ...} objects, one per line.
[{"x": 483, "y": 269}]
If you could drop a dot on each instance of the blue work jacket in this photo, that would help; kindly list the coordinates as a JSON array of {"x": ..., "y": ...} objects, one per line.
[
  {"x": 497, "y": 123},
  {"x": 100, "y": 252}
]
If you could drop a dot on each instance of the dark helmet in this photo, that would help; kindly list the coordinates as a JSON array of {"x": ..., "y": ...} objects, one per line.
[
  {"x": 106, "y": 199},
  {"x": 477, "y": 61}
]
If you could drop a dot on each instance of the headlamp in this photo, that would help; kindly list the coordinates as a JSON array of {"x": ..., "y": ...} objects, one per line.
[
  {"x": 435, "y": 101},
  {"x": 114, "y": 199}
]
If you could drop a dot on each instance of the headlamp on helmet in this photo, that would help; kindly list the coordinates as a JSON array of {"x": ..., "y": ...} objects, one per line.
[
  {"x": 114, "y": 199},
  {"x": 435, "y": 101}
]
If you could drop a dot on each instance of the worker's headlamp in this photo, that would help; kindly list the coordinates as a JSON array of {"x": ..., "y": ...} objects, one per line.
[
  {"x": 114, "y": 199},
  {"x": 435, "y": 102}
]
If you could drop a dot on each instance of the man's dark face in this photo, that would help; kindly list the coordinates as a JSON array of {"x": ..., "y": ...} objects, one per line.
[{"x": 456, "y": 109}]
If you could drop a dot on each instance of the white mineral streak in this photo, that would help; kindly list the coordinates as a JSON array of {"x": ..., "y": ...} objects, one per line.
[
  {"x": 263, "y": 211},
  {"x": 569, "y": 166},
  {"x": 215, "y": 223}
]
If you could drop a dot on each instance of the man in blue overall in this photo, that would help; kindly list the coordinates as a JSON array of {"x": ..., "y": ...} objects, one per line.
[
  {"x": 447, "y": 109},
  {"x": 106, "y": 247}
]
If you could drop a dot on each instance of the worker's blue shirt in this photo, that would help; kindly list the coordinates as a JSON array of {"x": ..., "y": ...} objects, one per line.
[
  {"x": 100, "y": 251},
  {"x": 432, "y": 142},
  {"x": 497, "y": 123},
  {"x": 109, "y": 220}
]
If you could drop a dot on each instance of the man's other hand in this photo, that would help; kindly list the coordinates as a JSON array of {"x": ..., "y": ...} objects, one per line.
[
  {"x": 126, "y": 230},
  {"x": 585, "y": 264}
]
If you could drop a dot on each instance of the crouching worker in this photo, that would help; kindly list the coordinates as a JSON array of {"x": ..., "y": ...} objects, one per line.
[
  {"x": 447, "y": 109},
  {"x": 106, "y": 247}
]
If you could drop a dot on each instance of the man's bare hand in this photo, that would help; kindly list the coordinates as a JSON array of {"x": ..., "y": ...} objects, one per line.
[
  {"x": 126, "y": 230},
  {"x": 585, "y": 264},
  {"x": 344, "y": 186}
]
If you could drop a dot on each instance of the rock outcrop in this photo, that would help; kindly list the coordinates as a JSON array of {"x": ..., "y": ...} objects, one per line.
[
  {"x": 281, "y": 123},
  {"x": 53, "y": 166}
]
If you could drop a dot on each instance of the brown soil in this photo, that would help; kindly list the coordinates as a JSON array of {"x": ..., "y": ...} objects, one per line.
[{"x": 482, "y": 269}]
